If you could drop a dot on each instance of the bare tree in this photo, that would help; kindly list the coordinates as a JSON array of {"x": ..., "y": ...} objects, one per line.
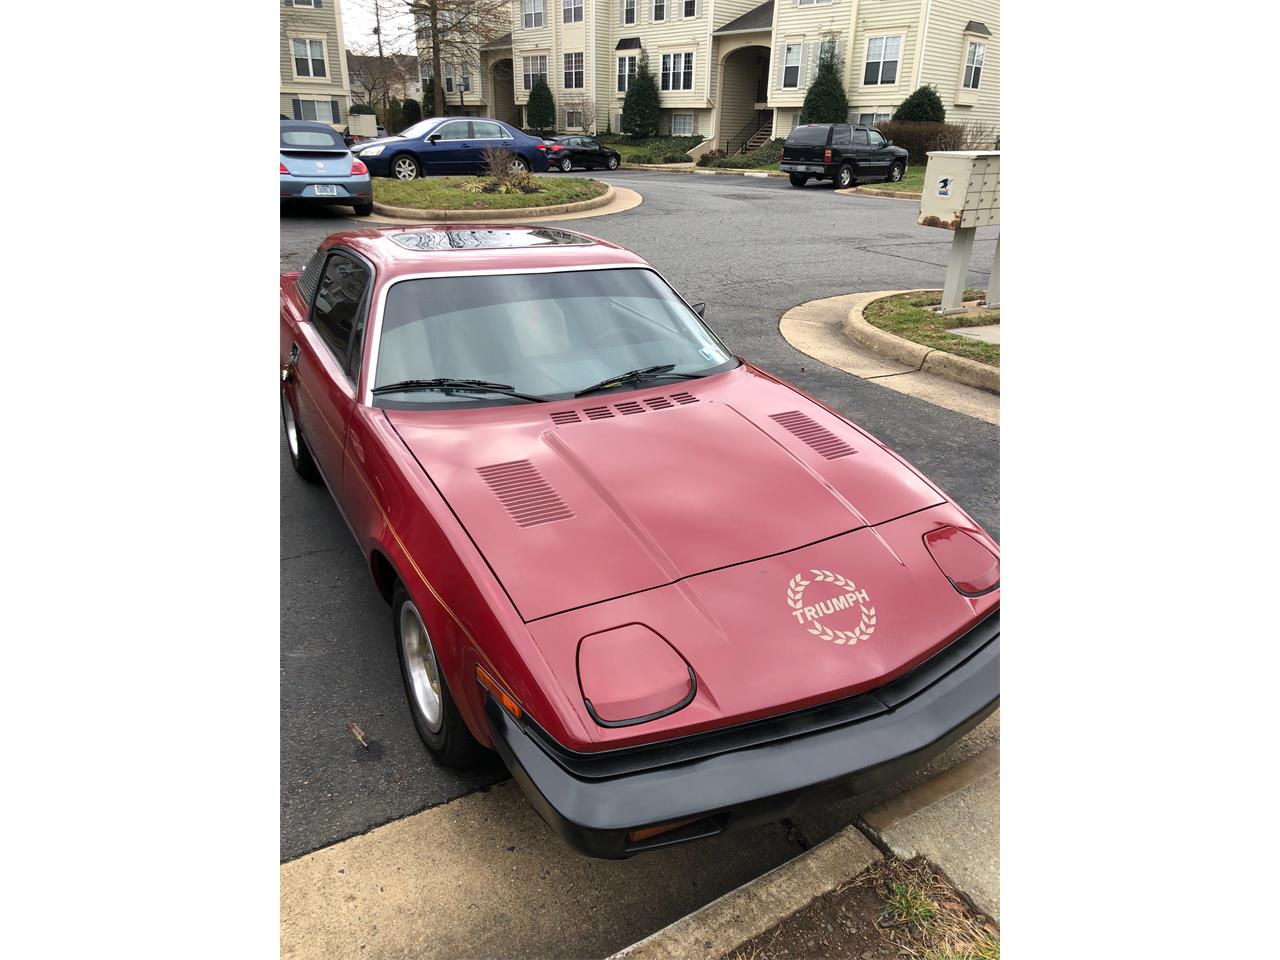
[
  {"x": 374, "y": 79},
  {"x": 392, "y": 36},
  {"x": 454, "y": 29},
  {"x": 583, "y": 103}
]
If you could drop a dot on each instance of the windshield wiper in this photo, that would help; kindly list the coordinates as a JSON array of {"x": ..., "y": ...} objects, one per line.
[
  {"x": 635, "y": 376},
  {"x": 447, "y": 385}
]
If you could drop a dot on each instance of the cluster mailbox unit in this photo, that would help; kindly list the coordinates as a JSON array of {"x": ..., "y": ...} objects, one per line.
[{"x": 961, "y": 193}]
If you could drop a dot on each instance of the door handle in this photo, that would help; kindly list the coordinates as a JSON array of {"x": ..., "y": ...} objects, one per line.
[{"x": 289, "y": 364}]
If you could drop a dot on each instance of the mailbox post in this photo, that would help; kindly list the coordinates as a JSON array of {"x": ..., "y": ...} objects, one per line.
[{"x": 961, "y": 193}]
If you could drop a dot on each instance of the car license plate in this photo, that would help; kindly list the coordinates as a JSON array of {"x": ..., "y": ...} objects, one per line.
[{"x": 326, "y": 190}]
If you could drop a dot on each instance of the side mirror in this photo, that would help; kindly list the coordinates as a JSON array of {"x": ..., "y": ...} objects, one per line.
[
  {"x": 433, "y": 138},
  {"x": 700, "y": 309},
  {"x": 888, "y": 143}
]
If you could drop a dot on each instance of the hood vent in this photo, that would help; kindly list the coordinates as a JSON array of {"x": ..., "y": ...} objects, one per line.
[
  {"x": 627, "y": 408},
  {"x": 815, "y": 435},
  {"x": 524, "y": 492}
]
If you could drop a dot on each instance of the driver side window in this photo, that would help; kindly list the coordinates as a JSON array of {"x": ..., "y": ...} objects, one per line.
[
  {"x": 876, "y": 139},
  {"x": 457, "y": 130},
  {"x": 338, "y": 311}
]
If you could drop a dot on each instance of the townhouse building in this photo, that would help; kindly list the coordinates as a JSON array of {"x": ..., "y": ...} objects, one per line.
[
  {"x": 313, "y": 68},
  {"x": 735, "y": 72}
]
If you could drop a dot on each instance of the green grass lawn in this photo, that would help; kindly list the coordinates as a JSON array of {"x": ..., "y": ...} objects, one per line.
[
  {"x": 906, "y": 316},
  {"x": 652, "y": 149},
  {"x": 447, "y": 193}
]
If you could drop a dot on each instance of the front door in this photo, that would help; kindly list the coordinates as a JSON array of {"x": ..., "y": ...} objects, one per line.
[
  {"x": 591, "y": 152},
  {"x": 450, "y": 150},
  {"x": 880, "y": 155},
  {"x": 328, "y": 362}
]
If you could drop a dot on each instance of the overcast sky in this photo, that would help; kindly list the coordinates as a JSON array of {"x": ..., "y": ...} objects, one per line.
[{"x": 397, "y": 25}]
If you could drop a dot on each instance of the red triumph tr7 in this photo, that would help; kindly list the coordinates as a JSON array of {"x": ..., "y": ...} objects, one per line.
[{"x": 677, "y": 595}]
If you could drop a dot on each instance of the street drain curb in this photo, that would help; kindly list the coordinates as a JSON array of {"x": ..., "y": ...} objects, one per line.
[
  {"x": 938, "y": 362},
  {"x": 725, "y": 924}
]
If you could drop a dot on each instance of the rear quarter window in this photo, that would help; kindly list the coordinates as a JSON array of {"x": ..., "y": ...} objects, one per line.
[{"x": 310, "y": 279}]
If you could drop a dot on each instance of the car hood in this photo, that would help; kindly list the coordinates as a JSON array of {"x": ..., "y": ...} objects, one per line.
[
  {"x": 779, "y": 634},
  {"x": 577, "y": 502},
  {"x": 377, "y": 141}
]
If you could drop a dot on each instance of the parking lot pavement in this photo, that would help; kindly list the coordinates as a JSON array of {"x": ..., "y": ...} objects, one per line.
[{"x": 751, "y": 248}]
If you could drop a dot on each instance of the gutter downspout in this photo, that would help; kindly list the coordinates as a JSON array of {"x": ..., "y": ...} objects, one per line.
[{"x": 924, "y": 39}]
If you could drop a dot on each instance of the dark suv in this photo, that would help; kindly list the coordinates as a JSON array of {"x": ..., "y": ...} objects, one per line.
[{"x": 841, "y": 152}]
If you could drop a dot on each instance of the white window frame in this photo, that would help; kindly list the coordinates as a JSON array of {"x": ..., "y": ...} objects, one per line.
[
  {"x": 630, "y": 8},
  {"x": 693, "y": 124},
  {"x": 448, "y": 78},
  {"x": 787, "y": 65},
  {"x": 974, "y": 61},
  {"x": 568, "y": 120},
  {"x": 655, "y": 7},
  {"x": 533, "y": 13},
  {"x": 685, "y": 9},
  {"x": 687, "y": 65},
  {"x": 867, "y": 61},
  {"x": 810, "y": 3},
  {"x": 328, "y": 105},
  {"x": 572, "y": 11},
  {"x": 324, "y": 58},
  {"x": 874, "y": 118},
  {"x": 303, "y": 3},
  {"x": 574, "y": 70},
  {"x": 530, "y": 75},
  {"x": 628, "y": 66}
]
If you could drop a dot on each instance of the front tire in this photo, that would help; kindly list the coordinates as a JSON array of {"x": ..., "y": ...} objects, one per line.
[
  {"x": 799, "y": 179},
  {"x": 895, "y": 173},
  {"x": 299, "y": 452},
  {"x": 845, "y": 178},
  {"x": 404, "y": 167},
  {"x": 565, "y": 164},
  {"x": 431, "y": 705}
]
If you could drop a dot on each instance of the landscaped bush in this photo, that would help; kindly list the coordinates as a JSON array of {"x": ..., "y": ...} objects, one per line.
[
  {"x": 501, "y": 176},
  {"x": 919, "y": 138},
  {"x": 766, "y": 155},
  {"x": 922, "y": 106},
  {"x": 542, "y": 106},
  {"x": 826, "y": 101},
  {"x": 640, "y": 106},
  {"x": 361, "y": 108},
  {"x": 651, "y": 149}
]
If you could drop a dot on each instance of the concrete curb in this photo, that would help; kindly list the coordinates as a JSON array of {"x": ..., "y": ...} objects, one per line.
[
  {"x": 705, "y": 171},
  {"x": 939, "y": 362},
  {"x": 418, "y": 215},
  {"x": 894, "y": 194},
  {"x": 725, "y": 924}
]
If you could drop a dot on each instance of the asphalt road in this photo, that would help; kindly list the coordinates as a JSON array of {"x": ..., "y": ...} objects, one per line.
[{"x": 751, "y": 248}]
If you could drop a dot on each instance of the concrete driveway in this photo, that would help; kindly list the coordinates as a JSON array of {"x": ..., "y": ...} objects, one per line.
[{"x": 751, "y": 249}]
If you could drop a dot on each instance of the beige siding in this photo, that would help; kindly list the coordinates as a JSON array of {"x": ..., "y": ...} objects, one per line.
[
  {"x": 945, "y": 50},
  {"x": 879, "y": 18},
  {"x": 739, "y": 91},
  {"x": 807, "y": 25},
  {"x": 323, "y": 24}
]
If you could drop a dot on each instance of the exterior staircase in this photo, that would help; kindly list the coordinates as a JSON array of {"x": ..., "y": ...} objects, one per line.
[{"x": 764, "y": 134}]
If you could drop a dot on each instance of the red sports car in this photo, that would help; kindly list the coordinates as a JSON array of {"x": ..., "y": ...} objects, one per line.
[{"x": 677, "y": 595}]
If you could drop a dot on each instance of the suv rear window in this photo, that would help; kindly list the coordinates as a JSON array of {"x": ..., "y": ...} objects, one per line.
[
  {"x": 809, "y": 133},
  {"x": 304, "y": 139}
]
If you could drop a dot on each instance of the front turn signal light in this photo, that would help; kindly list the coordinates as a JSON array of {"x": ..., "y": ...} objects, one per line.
[
  {"x": 967, "y": 562},
  {"x": 645, "y": 833},
  {"x": 508, "y": 702}
]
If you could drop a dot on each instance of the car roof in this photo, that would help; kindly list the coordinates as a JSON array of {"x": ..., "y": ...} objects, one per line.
[
  {"x": 467, "y": 247},
  {"x": 304, "y": 125}
]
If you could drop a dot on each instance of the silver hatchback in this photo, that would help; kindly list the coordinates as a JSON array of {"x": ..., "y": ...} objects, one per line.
[{"x": 317, "y": 167}]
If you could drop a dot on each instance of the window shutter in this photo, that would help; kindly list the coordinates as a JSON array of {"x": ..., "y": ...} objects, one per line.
[
  {"x": 337, "y": 111},
  {"x": 780, "y": 58},
  {"x": 297, "y": 101}
]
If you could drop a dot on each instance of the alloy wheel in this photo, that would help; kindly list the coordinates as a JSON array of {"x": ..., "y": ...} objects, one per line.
[
  {"x": 406, "y": 169},
  {"x": 421, "y": 666}
]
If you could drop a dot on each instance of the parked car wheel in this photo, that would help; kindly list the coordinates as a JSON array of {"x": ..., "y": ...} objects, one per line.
[
  {"x": 613, "y": 163},
  {"x": 404, "y": 167},
  {"x": 364, "y": 209},
  {"x": 434, "y": 712},
  {"x": 845, "y": 177},
  {"x": 299, "y": 452},
  {"x": 895, "y": 173},
  {"x": 565, "y": 164},
  {"x": 518, "y": 165},
  {"x": 799, "y": 179}
]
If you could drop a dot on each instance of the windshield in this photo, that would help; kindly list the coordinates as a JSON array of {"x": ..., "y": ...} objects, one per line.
[
  {"x": 420, "y": 128},
  {"x": 546, "y": 334},
  {"x": 311, "y": 138},
  {"x": 809, "y": 134}
]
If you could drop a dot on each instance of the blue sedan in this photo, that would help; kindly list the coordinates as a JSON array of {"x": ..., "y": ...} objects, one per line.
[
  {"x": 448, "y": 145},
  {"x": 317, "y": 167}
]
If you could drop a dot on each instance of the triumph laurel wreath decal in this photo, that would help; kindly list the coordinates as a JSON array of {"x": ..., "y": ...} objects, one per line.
[{"x": 852, "y": 597}]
